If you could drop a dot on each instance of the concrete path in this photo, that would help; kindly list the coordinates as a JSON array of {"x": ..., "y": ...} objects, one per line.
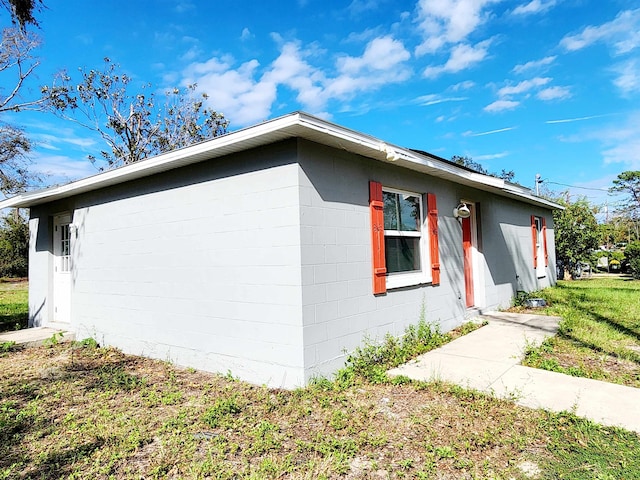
[
  {"x": 30, "y": 337},
  {"x": 488, "y": 360}
]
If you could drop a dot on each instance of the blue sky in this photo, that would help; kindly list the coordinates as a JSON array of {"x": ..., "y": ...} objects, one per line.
[{"x": 534, "y": 86}]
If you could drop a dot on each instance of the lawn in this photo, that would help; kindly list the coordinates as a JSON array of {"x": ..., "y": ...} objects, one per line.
[
  {"x": 80, "y": 411},
  {"x": 13, "y": 304},
  {"x": 599, "y": 335}
]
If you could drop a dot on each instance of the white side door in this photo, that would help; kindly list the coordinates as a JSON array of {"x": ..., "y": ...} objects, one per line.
[
  {"x": 61, "y": 268},
  {"x": 541, "y": 269}
]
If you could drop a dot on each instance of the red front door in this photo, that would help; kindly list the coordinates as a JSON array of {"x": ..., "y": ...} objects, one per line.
[{"x": 468, "y": 261}]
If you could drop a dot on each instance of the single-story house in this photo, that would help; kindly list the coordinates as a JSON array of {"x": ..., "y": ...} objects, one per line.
[{"x": 273, "y": 251}]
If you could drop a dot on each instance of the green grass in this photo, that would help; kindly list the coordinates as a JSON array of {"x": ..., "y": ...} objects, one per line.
[
  {"x": 14, "y": 305},
  {"x": 74, "y": 410},
  {"x": 599, "y": 335}
]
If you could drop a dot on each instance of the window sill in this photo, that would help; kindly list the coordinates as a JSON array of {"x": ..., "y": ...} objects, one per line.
[{"x": 407, "y": 280}]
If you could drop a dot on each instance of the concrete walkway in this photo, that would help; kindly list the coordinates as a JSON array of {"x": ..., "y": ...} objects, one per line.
[
  {"x": 33, "y": 337},
  {"x": 488, "y": 360}
]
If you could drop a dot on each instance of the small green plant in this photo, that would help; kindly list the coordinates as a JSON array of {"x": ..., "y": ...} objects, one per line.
[
  {"x": 54, "y": 339},
  {"x": 373, "y": 360},
  {"x": 221, "y": 409},
  {"x": 87, "y": 343},
  {"x": 116, "y": 377},
  {"x": 6, "y": 346}
]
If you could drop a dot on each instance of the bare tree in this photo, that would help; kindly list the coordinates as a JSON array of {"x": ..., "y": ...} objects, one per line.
[
  {"x": 17, "y": 63},
  {"x": 134, "y": 125}
]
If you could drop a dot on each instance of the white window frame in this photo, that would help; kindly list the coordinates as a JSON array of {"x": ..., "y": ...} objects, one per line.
[{"x": 407, "y": 279}]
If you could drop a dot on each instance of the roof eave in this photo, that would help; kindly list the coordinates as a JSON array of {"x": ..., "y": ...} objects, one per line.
[{"x": 294, "y": 125}]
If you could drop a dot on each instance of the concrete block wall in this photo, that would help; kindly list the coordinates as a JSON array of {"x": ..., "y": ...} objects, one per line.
[
  {"x": 340, "y": 311},
  {"x": 201, "y": 273}
]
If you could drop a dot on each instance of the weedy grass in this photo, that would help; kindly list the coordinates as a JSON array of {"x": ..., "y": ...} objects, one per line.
[
  {"x": 599, "y": 335},
  {"x": 14, "y": 304},
  {"x": 75, "y": 410}
]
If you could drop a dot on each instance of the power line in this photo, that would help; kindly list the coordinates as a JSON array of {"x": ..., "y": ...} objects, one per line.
[{"x": 576, "y": 186}]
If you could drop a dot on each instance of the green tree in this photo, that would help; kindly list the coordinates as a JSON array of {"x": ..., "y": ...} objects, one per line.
[
  {"x": 632, "y": 255},
  {"x": 14, "y": 246},
  {"x": 470, "y": 163},
  {"x": 629, "y": 183},
  {"x": 134, "y": 125},
  {"x": 576, "y": 232}
]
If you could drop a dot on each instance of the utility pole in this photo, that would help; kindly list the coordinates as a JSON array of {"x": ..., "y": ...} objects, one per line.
[{"x": 538, "y": 182}]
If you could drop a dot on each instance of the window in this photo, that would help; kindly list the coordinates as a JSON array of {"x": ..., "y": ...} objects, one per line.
[
  {"x": 401, "y": 253},
  {"x": 402, "y": 231}
]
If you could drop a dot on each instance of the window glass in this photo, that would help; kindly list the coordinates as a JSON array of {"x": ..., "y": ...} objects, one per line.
[
  {"x": 401, "y": 212},
  {"x": 402, "y": 254},
  {"x": 402, "y": 225}
]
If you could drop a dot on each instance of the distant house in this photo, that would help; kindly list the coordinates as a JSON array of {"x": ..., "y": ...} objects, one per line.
[{"x": 273, "y": 251}]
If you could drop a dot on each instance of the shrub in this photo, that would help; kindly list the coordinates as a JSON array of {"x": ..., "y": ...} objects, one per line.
[
  {"x": 632, "y": 255},
  {"x": 14, "y": 247}
]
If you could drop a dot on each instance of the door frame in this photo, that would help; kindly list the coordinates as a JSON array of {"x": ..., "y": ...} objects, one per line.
[
  {"x": 472, "y": 260},
  {"x": 62, "y": 271}
]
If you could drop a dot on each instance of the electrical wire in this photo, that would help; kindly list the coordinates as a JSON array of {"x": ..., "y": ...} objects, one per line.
[{"x": 576, "y": 186}]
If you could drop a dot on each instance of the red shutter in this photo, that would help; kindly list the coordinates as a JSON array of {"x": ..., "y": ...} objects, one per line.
[
  {"x": 544, "y": 242},
  {"x": 376, "y": 206},
  {"x": 534, "y": 236},
  {"x": 433, "y": 238}
]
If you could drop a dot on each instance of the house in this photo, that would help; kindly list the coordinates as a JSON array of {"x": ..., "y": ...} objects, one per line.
[{"x": 272, "y": 251}]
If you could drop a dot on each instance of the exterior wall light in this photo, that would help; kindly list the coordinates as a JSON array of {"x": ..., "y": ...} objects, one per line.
[{"x": 461, "y": 211}]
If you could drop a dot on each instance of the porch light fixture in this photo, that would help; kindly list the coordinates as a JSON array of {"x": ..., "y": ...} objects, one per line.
[{"x": 462, "y": 211}]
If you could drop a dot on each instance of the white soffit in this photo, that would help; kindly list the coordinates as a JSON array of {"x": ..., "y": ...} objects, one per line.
[{"x": 294, "y": 125}]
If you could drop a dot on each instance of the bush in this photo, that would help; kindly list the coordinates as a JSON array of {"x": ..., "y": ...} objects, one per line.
[
  {"x": 14, "y": 246},
  {"x": 632, "y": 255}
]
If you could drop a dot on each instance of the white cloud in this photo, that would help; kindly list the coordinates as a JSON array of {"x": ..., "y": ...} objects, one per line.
[
  {"x": 434, "y": 99},
  {"x": 383, "y": 62},
  {"x": 358, "y": 7},
  {"x": 443, "y": 22},
  {"x": 59, "y": 169},
  {"x": 534, "y": 65},
  {"x": 246, "y": 34},
  {"x": 247, "y": 93},
  {"x": 523, "y": 87},
  {"x": 534, "y": 6},
  {"x": 466, "y": 85},
  {"x": 381, "y": 53},
  {"x": 621, "y": 142},
  {"x": 628, "y": 77},
  {"x": 490, "y": 156},
  {"x": 577, "y": 119},
  {"x": 490, "y": 132},
  {"x": 462, "y": 57},
  {"x": 49, "y": 141},
  {"x": 554, "y": 93},
  {"x": 232, "y": 90},
  {"x": 501, "y": 105},
  {"x": 184, "y": 6},
  {"x": 622, "y": 34}
]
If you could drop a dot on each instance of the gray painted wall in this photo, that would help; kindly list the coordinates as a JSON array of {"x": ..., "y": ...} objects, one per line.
[
  {"x": 260, "y": 263},
  {"x": 340, "y": 311},
  {"x": 200, "y": 267}
]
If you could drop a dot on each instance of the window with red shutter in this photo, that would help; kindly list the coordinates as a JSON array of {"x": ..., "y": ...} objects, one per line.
[{"x": 404, "y": 250}]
